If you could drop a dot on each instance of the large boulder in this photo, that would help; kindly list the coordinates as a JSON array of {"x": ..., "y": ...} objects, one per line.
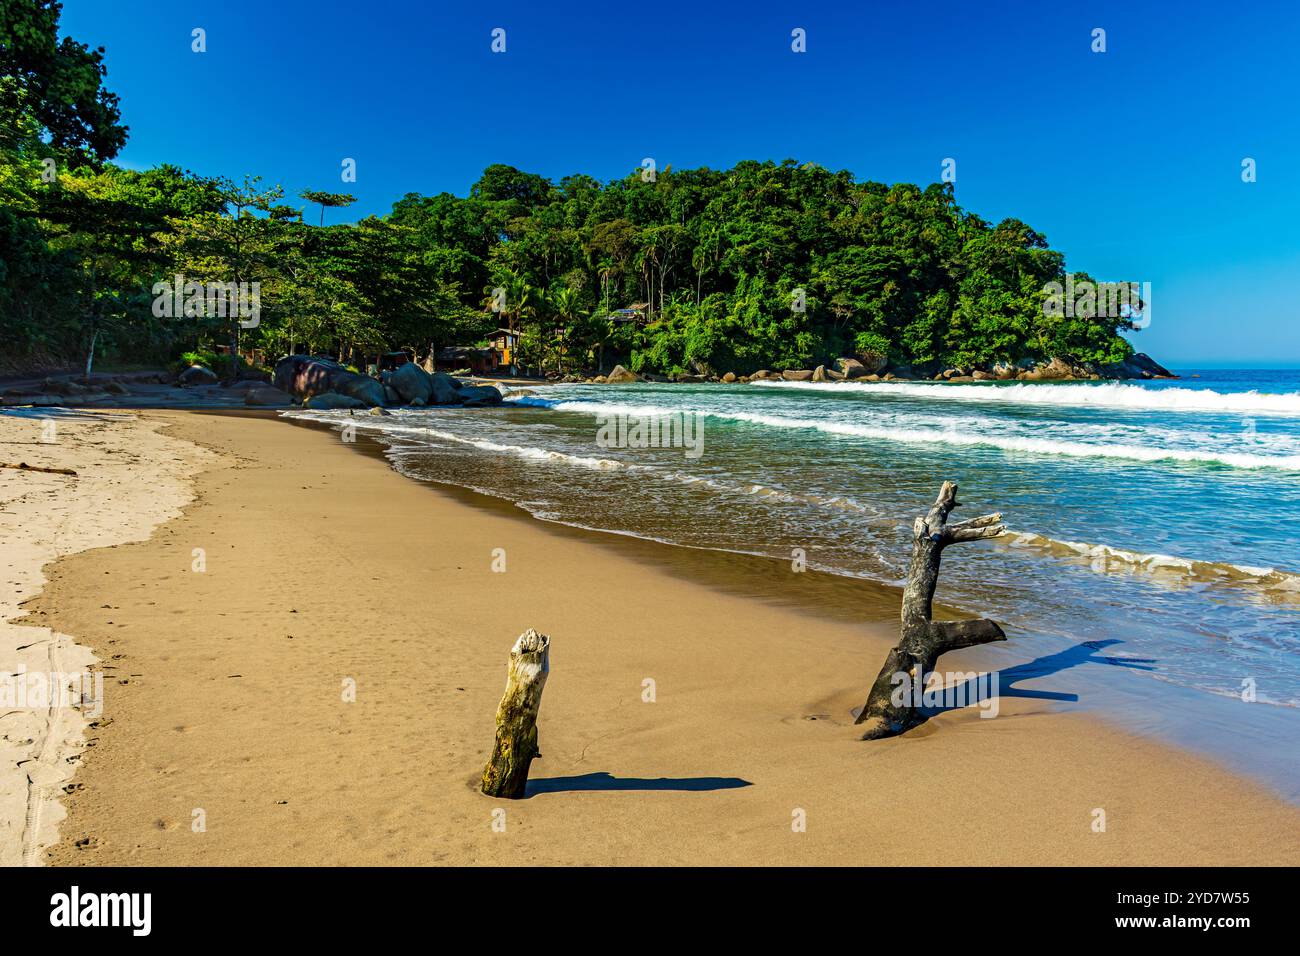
[
  {"x": 443, "y": 389},
  {"x": 850, "y": 368},
  {"x": 479, "y": 396},
  {"x": 196, "y": 375},
  {"x": 267, "y": 395},
  {"x": 306, "y": 375},
  {"x": 620, "y": 376},
  {"x": 819, "y": 374},
  {"x": 729, "y": 377},
  {"x": 1146, "y": 363},
  {"x": 411, "y": 382},
  {"x": 367, "y": 390},
  {"x": 1058, "y": 369},
  {"x": 797, "y": 375},
  {"x": 331, "y": 400},
  {"x": 873, "y": 362}
]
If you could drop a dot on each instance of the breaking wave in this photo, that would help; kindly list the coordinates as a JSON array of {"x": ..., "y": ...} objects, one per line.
[
  {"x": 947, "y": 436},
  {"x": 1077, "y": 395}
]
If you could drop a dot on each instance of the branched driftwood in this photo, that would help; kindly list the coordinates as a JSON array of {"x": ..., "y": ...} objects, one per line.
[
  {"x": 506, "y": 773},
  {"x": 922, "y": 640}
]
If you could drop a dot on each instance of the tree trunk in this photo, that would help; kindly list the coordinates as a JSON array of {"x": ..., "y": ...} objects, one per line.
[
  {"x": 90, "y": 355},
  {"x": 506, "y": 773},
  {"x": 891, "y": 703}
]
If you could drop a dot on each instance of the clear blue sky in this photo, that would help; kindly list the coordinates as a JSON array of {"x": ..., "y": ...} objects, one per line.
[{"x": 1129, "y": 160}]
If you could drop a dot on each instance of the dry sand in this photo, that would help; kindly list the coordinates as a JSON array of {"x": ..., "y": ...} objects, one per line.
[
  {"x": 232, "y": 740},
  {"x": 129, "y": 479}
]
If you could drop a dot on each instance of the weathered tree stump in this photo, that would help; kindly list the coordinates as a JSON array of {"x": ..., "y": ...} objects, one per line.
[
  {"x": 506, "y": 773},
  {"x": 921, "y": 640}
]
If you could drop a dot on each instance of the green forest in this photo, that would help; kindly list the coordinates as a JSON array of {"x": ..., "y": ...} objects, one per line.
[{"x": 765, "y": 265}]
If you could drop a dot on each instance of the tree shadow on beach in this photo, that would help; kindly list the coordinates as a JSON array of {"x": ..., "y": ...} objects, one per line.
[
  {"x": 1086, "y": 652},
  {"x": 608, "y": 782}
]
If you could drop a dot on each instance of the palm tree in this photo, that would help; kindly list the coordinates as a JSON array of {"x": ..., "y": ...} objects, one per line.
[
  {"x": 566, "y": 310},
  {"x": 518, "y": 299}
]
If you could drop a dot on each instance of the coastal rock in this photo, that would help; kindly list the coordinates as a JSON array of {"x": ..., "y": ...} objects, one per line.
[
  {"x": 1146, "y": 363},
  {"x": 443, "y": 389},
  {"x": 620, "y": 376},
  {"x": 873, "y": 362},
  {"x": 729, "y": 377},
  {"x": 332, "y": 400},
  {"x": 391, "y": 397},
  {"x": 819, "y": 374},
  {"x": 196, "y": 375},
  {"x": 835, "y": 376},
  {"x": 306, "y": 375},
  {"x": 361, "y": 387},
  {"x": 479, "y": 396},
  {"x": 410, "y": 382},
  {"x": 63, "y": 386},
  {"x": 797, "y": 375},
  {"x": 982, "y": 376},
  {"x": 760, "y": 375},
  {"x": 850, "y": 368},
  {"x": 1056, "y": 370},
  {"x": 267, "y": 395},
  {"x": 1004, "y": 371},
  {"x": 116, "y": 388}
]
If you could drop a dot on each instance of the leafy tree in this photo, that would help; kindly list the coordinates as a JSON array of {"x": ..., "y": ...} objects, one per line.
[{"x": 324, "y": 199}]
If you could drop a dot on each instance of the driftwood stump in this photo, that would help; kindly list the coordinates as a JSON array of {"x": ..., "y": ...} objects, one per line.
[
  {"x": 921, "y": 640},
  {"x": 506, "y": 773}
]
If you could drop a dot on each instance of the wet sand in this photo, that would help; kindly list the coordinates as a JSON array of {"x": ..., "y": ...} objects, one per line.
[{"x": 234, "y": 739}]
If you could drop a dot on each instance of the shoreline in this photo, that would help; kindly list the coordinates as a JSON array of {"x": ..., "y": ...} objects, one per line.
[
  {"x": 342, "y": 568},
  {"x": 1197, "y": 721}
]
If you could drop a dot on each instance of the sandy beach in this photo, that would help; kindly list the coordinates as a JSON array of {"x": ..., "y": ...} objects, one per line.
[
  {"x": 316, "y": 685},
  {"x": 128, "y": 479}
]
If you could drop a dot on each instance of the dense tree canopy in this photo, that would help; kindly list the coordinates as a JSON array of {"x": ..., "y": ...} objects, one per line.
[{"x": 777, "y": 265}]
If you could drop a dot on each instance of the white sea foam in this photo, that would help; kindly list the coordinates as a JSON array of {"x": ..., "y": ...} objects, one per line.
[
  {"x": 1102, "y": 557},
  {"x": 954, "y": 437},
  {"x": 1078, "y": 395}
]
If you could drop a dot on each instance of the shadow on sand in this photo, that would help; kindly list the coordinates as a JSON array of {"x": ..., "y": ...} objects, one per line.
[
  {"x": 606, "y": 781},
  {"x": 1087, "y": 652}
]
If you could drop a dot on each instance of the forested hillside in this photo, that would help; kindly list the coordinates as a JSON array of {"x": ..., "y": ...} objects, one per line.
[{"x": 767, "y": 264}]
